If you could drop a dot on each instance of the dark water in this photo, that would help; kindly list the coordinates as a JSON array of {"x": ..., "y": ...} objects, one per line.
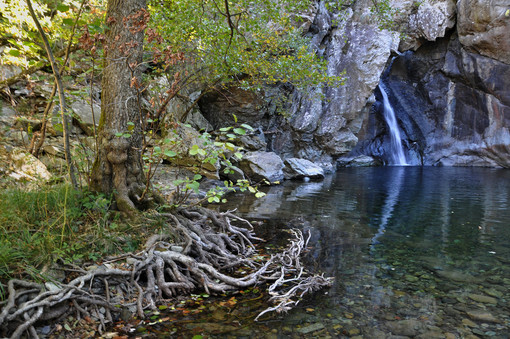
[{"x": 415, "y": 252}]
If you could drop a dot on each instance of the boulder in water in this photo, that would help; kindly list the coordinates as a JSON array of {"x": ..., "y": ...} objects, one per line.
[
  {"x": 296, "y": 168},
  {"x": 262, "y": 166}
]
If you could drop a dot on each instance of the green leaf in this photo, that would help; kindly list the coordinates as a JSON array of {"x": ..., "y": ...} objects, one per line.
[
  {"x": 197, "y": 177},
  {"x": 231, "y": 136},
  {"x": 157, "y": 149},
  {"x": 235, "y": 117},
  {"x": 260, "y": 194},
  {"x": 169, "y": 153},
  {"x": 247, "y": 126},
  {"x": 62, "y": 8},
  {"x": 68, "y": 21},
  {"x": 197, "y": 336},
  {"x": 193, "y": 150},
  {"x": 239, "y": 131},
  {"x": 14, "y": 52},
  {"x": 194, "y": 186},
  {"x": 119, "y": 134}
]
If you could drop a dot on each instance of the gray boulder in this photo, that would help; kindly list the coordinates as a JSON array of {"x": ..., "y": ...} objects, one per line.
[
  {"x": 358, "y": 161},
  {"x": 262, "y": 166},
  {"x": 85, "y": 116},
  {"x": 296, "y": 168}
]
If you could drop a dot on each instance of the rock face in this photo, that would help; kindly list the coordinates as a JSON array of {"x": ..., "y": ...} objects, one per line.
[
  {"x": 453, "y": 105},
  {"x": 427, "y": 21},
  {"x": 451, "y": 97},
  {"x": 484, "y": 27},
  {"x": 322, "y": 129},
  {"x": 448, "y": 85}
]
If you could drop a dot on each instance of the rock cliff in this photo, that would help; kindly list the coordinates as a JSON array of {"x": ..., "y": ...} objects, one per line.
[
  {"x": 447, "y": 75},
  {"x": 452, "y": 95}
]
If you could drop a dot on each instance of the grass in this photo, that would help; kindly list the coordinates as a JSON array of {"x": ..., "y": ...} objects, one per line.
[{"x": 59, "y": 224}]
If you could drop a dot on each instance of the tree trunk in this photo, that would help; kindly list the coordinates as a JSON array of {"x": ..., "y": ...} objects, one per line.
[{"x": 118, "y": 167}]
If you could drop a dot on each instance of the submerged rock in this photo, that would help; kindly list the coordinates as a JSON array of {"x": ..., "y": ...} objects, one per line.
[
  {"x": 483, "y": 298},
  {"x": 409, "y": 327},
  {"x": 482, "y": 315},
  {"x": 310, "y": 328},
  {"x": 458, "y": 276}
]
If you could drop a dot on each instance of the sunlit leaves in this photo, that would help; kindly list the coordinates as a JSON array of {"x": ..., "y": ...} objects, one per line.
[
  {"x": 57, "y": 18},
  {"x": 261, "y": 47},
  {"x": 62, "y": 8}
]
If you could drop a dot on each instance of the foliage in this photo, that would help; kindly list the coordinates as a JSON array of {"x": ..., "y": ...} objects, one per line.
[
  {"x": 58, "y": 224},
  {"x": 209, "y": 153},
  {"x": 24, "y": 45},
  {"x": 384, "y": 14},
  {"x": 250, "y": 42}
]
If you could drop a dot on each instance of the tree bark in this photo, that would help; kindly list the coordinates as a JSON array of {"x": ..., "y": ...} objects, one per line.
[{"x": 118, "y": 167}]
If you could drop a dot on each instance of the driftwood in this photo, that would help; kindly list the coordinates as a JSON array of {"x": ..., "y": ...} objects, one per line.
[{"x": 199, "y": 252}]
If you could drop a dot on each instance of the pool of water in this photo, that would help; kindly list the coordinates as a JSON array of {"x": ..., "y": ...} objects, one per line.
[{"x": 416, "y": 252}]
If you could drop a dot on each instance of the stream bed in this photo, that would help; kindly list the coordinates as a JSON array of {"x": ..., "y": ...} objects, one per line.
[{"x": 416, "y": 252}]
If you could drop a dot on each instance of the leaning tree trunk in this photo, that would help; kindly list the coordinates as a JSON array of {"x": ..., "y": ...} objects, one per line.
[{"x": 118, "y": 167}]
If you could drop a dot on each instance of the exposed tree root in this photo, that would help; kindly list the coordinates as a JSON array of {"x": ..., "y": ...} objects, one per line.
[{"x": 200, "y": 251}]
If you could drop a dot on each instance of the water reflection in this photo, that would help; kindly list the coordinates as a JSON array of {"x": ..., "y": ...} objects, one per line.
[{"x": 416, "y": 252}]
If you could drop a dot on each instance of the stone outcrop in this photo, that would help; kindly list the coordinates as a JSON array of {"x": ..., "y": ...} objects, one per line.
[
  {"x": 85, "y": 115},
  {"x": 224, "y": 108},
  {"x": 484, "y": 27},
  {"x": 296, "y": 168},
  {"x": 263, "y": 167},
  {"x": 425, "y": 21},
  {"x": 22, "y": 166},
  {"x": 451, "y": 96},
  {"x": 325, "y": 122}
]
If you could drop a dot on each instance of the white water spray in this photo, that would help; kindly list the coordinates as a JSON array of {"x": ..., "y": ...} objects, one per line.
[{"x": 397, "y": 151}]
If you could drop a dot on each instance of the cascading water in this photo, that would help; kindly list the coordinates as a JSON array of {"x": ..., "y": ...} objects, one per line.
[{"x": 397, "y": 155}]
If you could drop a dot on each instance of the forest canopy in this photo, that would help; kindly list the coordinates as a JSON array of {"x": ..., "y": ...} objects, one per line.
[{"x": 253, "y": 43}]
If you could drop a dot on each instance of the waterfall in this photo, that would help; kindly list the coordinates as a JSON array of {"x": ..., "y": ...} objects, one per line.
[{"x": 397, "y": 151}]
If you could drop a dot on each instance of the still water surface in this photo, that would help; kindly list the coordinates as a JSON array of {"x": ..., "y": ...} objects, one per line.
[{"x": 415, "y": 252}]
